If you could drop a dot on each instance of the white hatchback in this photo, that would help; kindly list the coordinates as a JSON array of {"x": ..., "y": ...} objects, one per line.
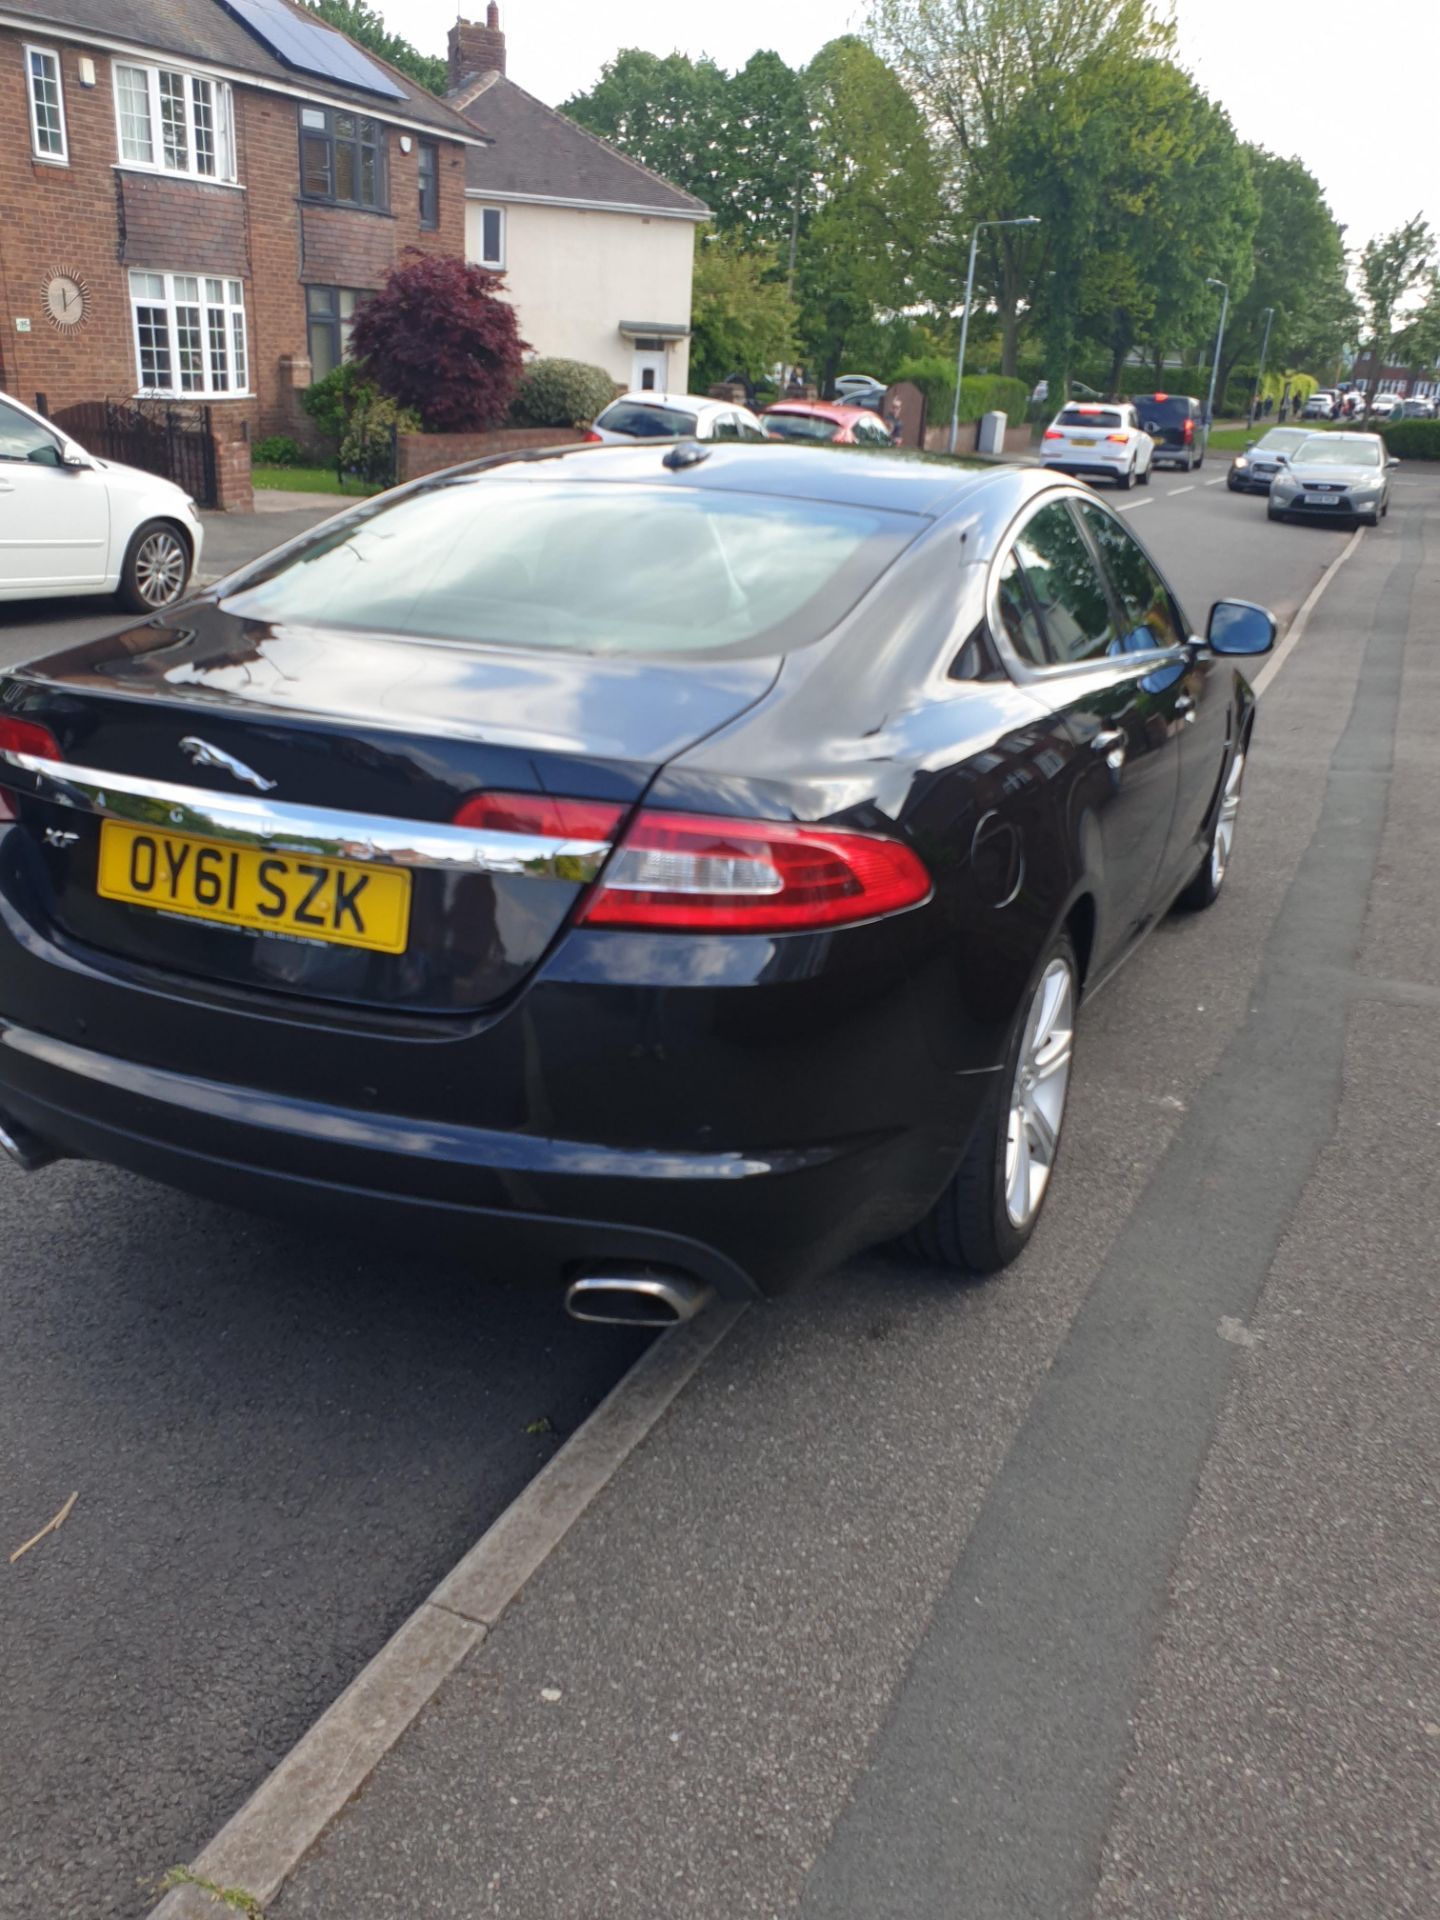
[
  {"x": 1103, "y": 440},
  {"x": 72, "y": 524},
  {"x": 646, "y": 415}
]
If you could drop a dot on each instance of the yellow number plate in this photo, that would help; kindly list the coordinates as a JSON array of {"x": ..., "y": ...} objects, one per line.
[
  {"x": 1078, "y": 441},
  {"x": 338, "y": 901}
]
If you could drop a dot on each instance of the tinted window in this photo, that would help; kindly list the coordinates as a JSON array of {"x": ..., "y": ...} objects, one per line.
[
  {"x": 1091, "y": 417},
  {"x": 1173, "y": 408},
  {"x": 1017, "y": 613},
  {"x": 644, "y": 422},
  {"x": 1066, "y": 583},
  {"x": 1153, "y": 620},
  {"x": 584, "y": 566},
  {"x": 801, "y": 426}
]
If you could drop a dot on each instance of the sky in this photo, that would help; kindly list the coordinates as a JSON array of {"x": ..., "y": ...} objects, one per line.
[{"x": 1340, "y": 87}]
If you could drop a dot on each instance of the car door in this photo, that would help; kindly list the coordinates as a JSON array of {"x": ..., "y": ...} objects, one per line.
[
  {"x": 1114, "y": 692},
  {"x": 54, "y": 520},
  {"x": 1190, "y": 681}
]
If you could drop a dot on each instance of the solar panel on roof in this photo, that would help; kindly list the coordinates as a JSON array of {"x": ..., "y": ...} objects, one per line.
[{"x": 310, "y": 47}]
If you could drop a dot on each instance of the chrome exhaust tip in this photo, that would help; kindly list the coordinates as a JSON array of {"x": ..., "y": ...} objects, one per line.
[
  {"x": 634, "y": 1299},
  {"x": 21, "y": 1146}
]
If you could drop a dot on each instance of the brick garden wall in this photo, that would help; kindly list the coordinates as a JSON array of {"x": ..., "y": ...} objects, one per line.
[{"x": 422, "y": 453}]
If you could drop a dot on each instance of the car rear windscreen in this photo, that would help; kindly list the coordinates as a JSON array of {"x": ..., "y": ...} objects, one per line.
[
  {"x": 645, "y": 422},
  {"x": 801, "y": 426},
  {"x": 1174, "y": 407},
  {"x": 584, "y": 566},
  {"x": 1090, "y": 417}
]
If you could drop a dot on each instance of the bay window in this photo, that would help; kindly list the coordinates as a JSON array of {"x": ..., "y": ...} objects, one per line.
[
  {"x": 175, "y": 122},
  {"x": 189, "y": 334}
]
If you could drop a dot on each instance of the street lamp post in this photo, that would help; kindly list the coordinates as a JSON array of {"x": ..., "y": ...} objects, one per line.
[
  {"x": 1219, "y": 341},
  {"x": 1260, "y": 370},
  {"x": 1025, "y": 220}
]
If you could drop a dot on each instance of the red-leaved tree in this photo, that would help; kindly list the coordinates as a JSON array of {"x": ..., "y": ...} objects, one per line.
[{"x": 438, "y": 338}]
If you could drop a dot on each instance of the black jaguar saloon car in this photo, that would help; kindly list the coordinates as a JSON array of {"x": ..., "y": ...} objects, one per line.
[{"x": 681, "y": 866}]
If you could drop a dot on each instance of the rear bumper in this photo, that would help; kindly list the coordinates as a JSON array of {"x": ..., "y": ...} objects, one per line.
[{"x": 1087, "y": 469}]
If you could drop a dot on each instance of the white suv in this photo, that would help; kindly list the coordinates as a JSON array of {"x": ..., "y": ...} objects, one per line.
[{"x": 71, "y": 524}]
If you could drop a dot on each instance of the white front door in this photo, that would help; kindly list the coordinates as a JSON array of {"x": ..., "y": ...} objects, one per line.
[
  {"x": 54, "y": 520},
  {"x": 647, "y": 371}
]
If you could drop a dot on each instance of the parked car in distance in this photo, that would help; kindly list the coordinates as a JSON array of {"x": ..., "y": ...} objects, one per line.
[
  {"x": 1418, "y": 408},
  {"x": 74, "y": 524},
  {"x": 1334, "y": 476},
  {"x": 647, "y": 415},
  {"x": 685, "y": 875},
  {"x": 851, "y": 384},
  {"x": 1319, "y": 406},
  {"x": 1099, "y": 442},
  {"x": 1176, "y": 423},
  {"x": 1385, "y": 406},
  {"x": 824, "y": 420},
  {"x": 1253, "y": 470}
]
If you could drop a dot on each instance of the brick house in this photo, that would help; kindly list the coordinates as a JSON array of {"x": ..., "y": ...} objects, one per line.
[
  {"x": 191, "y": 205},
  {"x": 597, "y": 251}
]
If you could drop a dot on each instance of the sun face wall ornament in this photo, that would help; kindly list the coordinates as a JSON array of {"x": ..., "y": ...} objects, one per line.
[{"x": 66, "y": 297}]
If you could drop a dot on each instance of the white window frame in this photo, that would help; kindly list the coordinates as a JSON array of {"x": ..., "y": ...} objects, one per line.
[
  {"x": 234, "y": 332},
  {"x": 62, "y": 158},
  {"x": 222, "y": 103},
  {"x": 496, "y": 264}
]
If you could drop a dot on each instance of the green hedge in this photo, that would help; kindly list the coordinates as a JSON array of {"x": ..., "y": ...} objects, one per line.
[
  {"x": 1413, "y": 439},
  {"x": 561, "y": 393},
  {"x": 979, "y": 393}
]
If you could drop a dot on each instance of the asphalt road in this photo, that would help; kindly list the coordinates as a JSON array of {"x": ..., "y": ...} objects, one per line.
[{"x": 279, "y": 1444}]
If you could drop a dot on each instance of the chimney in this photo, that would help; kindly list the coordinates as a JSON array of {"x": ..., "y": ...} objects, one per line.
[{"x": 475, "y": 49}]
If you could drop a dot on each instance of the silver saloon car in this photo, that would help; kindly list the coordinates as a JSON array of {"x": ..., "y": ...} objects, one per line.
[
  {"x": 1253, "y": 470},
  {"x": 1334, "y": 476}
]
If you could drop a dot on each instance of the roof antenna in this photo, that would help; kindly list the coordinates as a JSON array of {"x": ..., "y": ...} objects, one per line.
[{"x": 687, "y": 454}]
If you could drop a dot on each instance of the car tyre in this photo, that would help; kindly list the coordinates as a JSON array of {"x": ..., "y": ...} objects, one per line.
[
  {"x": 1144, "y": 478},
  {"x": 157, "y": 568},
  {"x": 1204, "y": 890},
  {"x": 1273, "y": 512},
  {"x": 984, "y": 1218},
  {"x": 1124, "y": 481}
]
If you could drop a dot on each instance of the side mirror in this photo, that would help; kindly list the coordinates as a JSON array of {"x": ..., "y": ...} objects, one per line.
[
  {"x": 1240, "y": 627},
  {"x": 76, "y": 461},
  {"x": 1392, "y": 461}
]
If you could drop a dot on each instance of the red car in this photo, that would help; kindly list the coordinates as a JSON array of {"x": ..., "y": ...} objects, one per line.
[{"x": 813, "y": 421}]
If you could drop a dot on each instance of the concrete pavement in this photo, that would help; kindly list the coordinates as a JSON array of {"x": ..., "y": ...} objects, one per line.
[{"x": 1097, "y": 1591}]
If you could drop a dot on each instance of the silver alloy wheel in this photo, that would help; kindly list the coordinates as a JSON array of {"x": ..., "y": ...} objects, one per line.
[
  {"x": 160, "y": 563},
  {"x": 1037, "y": 1093},
  {"x": 1224, "y": 840}
]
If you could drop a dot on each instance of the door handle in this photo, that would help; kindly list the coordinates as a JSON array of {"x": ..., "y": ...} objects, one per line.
[
  {"x": 1185, "y": 707},
  {"x": 1111, "y": 742}
]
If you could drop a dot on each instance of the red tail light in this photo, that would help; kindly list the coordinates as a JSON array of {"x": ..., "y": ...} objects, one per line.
[
  {"x": 691, "y": 873},
  {"x": 593, "y": 439},
  {"x": 1053, "y": 433},
  {"x": 27, "y": 736},
  {"x": 24, "y": 736},
  {"x": 1123, "y": 438},
  {"x": 542, "y": 815},
  {"x": 1189, "y": 431}
]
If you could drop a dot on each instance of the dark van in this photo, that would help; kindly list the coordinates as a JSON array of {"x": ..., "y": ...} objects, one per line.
[{"x": 1176, "y": 423}]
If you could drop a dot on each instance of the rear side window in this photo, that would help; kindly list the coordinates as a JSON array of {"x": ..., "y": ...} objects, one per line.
[
  {"x": 1169, "y": 409},
  {"x": 585, "y": 567},
  {"x": 643, "y": 422},
  {"x": 1066, "y": 585},
  {"x": 1018, "y": 615},
  {"x": 1153, "y": 620},
  {"x": 801, "y": 426}
]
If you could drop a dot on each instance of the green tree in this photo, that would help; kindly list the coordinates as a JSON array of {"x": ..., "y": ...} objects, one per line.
[
  {"x": 977, "y": 67},
  {"x": 1392, "y": 266},
  {"x": 365, "y": 25},
  {"x": 668, "y": 112},
  {"x": 742, "y": 316},
  {"x": 869, "y": 248},
  {"x": 766, "y": 179},
  {"x": 1299, "y": 271}
]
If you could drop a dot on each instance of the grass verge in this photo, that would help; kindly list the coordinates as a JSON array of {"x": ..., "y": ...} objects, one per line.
[{"x": 310, "y": 480}]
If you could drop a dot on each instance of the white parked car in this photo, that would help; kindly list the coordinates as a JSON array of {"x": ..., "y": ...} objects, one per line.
[
  {"x": 1320, "y": 406},
  {"x": 1100, "y": 440},
  {"x": 71, "y": 523},
  {"x": 646, "y": 415},
  {"x": 1385, "y": 406}
]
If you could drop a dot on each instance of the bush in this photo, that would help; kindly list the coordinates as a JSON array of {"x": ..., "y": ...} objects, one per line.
[
  {"x": 1413, "y": 439},
  {"x": 276, "y": 450},
  {"x": 330, "y": 401},
  {"x": 561, "y": 393},
  {"x": 979, "y": 393},
  {"x": 437, "y": 337},
  {"x": 368, "y": 443}
]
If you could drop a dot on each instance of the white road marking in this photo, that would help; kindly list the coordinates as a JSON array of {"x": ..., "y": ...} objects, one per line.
[
  {"x": 1297, "y": 626},
  {"x": 1172, "y": 491},
  {"x": 1134, "y": 504},
  {"x": 1216, "y": 483}
]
